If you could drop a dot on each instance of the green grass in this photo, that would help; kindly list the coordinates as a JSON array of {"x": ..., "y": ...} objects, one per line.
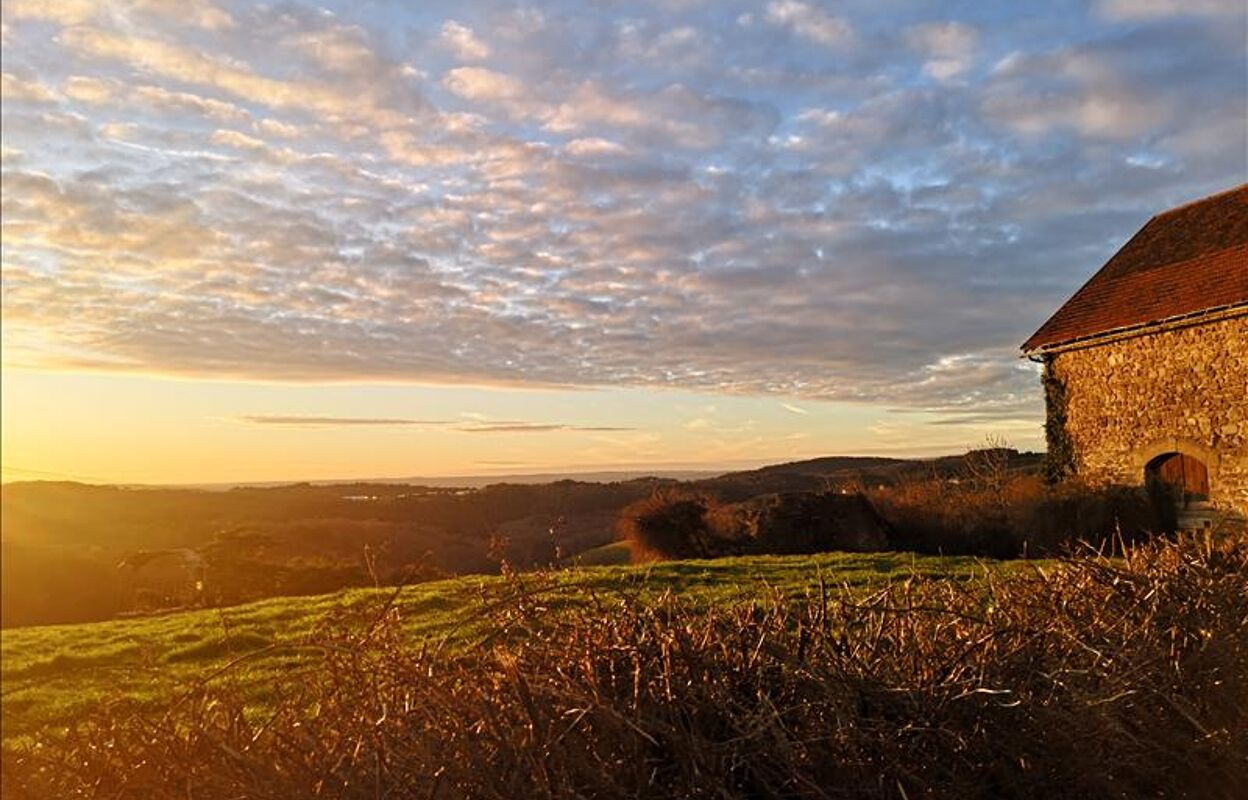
[
  {"x": 608, "y": 555},
  {"x": 51, "y": 675}
]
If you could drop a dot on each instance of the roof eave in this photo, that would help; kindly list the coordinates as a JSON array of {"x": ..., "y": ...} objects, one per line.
[{"x": 1137, "y": 329}]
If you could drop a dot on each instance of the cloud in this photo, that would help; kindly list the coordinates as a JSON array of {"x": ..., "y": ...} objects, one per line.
[
  {"x": 22, "y": 90},
  {"x": 684, "y": 47},
  {"x": 90, "y": 90},
  {"x": 643, "y": 199},
  {"x": 1155, "y": 9},
  {"x": 463, "y": 42},
  {"x": 236, "y": 139},
  {"x": 333, "y": 422},
  {"x": 65, "y": 12},
  {"x": 809, "y": 22},
  {"x": 949, "y": 46},
  {"x": 199, "y": 13},
  {"x": 536, "y": 427},
  {"x": 792, "y": 409},
  {"x": 1123, "y": 90},
  {"x": 676, "y": 114},
  {"x": 174, "y": 102},
  {"x": 495, "y": 88},
  {"x": 278, "y": 128},
  {"x": 510, "y": 426},
  {"x": 593, "y": 146},
  {"x": 192, "y": 66},
  {"x": 341, "y": 49}
]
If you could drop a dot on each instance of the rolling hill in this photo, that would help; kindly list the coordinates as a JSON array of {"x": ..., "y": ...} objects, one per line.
[
  {"x": 63, "y": 542},
  {"x": 52, "y": 674}
]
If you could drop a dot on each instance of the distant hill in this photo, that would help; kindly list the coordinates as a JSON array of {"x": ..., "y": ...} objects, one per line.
[
  {"x": 63, "y": 542},
  {"x": 477, "y": 481},
  {"x": 832, "y": 472},
  {"x": 787, "y": 476},
  {"x": 814, "y": 474}
]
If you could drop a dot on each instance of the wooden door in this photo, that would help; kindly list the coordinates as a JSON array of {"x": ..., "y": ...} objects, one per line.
[{"x": 1187, "y": 476}]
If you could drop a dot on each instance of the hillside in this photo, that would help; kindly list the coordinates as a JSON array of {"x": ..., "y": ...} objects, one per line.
[
  {"x": 52, "y": 674},
  {"x": 833, "y": 472},
  {"x": 63, "y": 542},
  {"x": 738, "y": 678}
]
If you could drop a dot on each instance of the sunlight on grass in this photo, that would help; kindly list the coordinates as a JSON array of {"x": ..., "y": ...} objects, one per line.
[{"x": 55, "y": 673}]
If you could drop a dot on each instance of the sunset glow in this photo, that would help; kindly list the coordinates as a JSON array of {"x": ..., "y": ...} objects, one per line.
[{"x": 253, "y": 242}]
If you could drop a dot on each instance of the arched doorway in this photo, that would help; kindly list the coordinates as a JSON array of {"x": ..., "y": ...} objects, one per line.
[{"x": 1182, "y": 481}]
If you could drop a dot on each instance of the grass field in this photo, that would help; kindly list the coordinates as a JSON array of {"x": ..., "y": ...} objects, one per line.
[{"x": 52, "y": 674}]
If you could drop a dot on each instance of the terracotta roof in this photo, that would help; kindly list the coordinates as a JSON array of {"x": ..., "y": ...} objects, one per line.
[{"x": 1188, "y": 260}]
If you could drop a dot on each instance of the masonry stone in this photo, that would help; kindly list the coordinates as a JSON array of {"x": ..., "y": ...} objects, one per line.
[{"x": 1179, "y": 389}]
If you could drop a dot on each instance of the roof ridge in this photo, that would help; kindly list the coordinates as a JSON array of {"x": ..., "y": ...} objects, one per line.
[{"x": 1241, "y": 187}]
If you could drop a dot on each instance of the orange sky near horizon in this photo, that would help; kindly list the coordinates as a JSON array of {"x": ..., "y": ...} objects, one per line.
[{"x": 96, "y": 428}]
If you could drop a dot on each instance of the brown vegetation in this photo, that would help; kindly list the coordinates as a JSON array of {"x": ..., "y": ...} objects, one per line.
[
  {"x": 985, "y": 503},
  {"x": 1010, "y": 516},
  {"x": 1095, "y": 678},
  {"x": 675, "y": 523},
  {"x": 679, "y": 523},
  {"x": 809, "y": 522}
]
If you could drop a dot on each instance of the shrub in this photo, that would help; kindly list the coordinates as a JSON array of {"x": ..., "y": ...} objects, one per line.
[
  {"x": 1059, "y": 516},
  {"x": 1017, "y": 516},
  {"x": 673, "y": 523},
  {"x": 683, "y": 524},
  {"x": 807, "y": 522}
]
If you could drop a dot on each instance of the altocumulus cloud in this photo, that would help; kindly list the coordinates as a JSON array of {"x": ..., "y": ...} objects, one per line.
[{"x": 785, "y": 198}]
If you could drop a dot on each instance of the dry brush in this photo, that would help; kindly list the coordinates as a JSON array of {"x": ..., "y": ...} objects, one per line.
[{"x": 1100, "y": 677}]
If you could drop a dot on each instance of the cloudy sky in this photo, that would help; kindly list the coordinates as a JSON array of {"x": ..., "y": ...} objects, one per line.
[{"x": 292, "y": 240}]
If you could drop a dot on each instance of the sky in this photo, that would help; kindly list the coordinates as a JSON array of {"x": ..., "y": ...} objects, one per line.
[{"x": 280, "y": 241}]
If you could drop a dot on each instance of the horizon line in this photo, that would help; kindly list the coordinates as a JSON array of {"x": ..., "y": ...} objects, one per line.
[{"x": 638, "y": 471}]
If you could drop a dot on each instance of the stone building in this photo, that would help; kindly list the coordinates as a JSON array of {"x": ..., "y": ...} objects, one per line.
[{"x": 1146, "y": 366}]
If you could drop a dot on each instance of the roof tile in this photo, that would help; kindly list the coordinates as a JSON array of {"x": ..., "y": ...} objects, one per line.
[{"x": 1186, "y": 260}]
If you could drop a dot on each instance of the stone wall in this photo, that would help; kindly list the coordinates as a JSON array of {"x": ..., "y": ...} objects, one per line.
[{"x": 1179, "y": 390}]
